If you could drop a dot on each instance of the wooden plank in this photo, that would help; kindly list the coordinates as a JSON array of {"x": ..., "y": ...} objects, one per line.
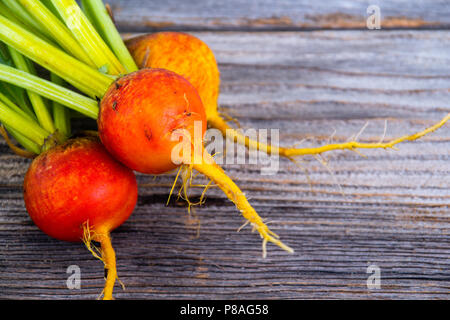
[
  {"x": 143, "y": 16},
  {"x": 394, "y": 212}
]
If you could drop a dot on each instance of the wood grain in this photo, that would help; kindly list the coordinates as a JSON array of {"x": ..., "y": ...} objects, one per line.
[
  {"x": 267, "y": 15},
  {"x": 394, "y": 212}
]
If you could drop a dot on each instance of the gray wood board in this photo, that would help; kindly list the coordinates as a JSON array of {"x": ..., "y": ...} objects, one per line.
[
  {"x": 394, "y": 212},
  {"x": 140, "y": 15}
]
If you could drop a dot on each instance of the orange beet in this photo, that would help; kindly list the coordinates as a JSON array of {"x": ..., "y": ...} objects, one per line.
[
  {"x": 139, "y": 113},
  {"x": 78, "y": 192},
  {"x": 78, "y": 182},
  {"x": 184, "y": 54}
]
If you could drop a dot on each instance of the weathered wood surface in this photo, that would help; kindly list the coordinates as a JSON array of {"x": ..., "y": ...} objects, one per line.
[
  {"x": 144, "y": 15},
  {"x": 394, "y": 212}
]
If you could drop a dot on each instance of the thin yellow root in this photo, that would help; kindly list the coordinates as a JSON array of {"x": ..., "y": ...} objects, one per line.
[
  {"x": 243, "y": 226},
  {"x": 183, "y": 193},
  {"x": 308, "y": 178},
  {"x": 187, "y": 183},
  {"x": 202, "y": 197},
  {"x": 88, "y": 235},
  {"x": 107, "y": 255},
  {"x": 327, "y": 167},
  {"x": 18, "y": 151},
  {"x": 186, "y": 175},
  {"x": 211, "y": 170},
  {"x": 218, "y": 123},
  {"x": 173, "y": 186}
]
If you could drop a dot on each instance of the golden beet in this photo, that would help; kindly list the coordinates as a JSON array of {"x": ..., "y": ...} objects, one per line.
[{"x": 183, "y": 54}]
